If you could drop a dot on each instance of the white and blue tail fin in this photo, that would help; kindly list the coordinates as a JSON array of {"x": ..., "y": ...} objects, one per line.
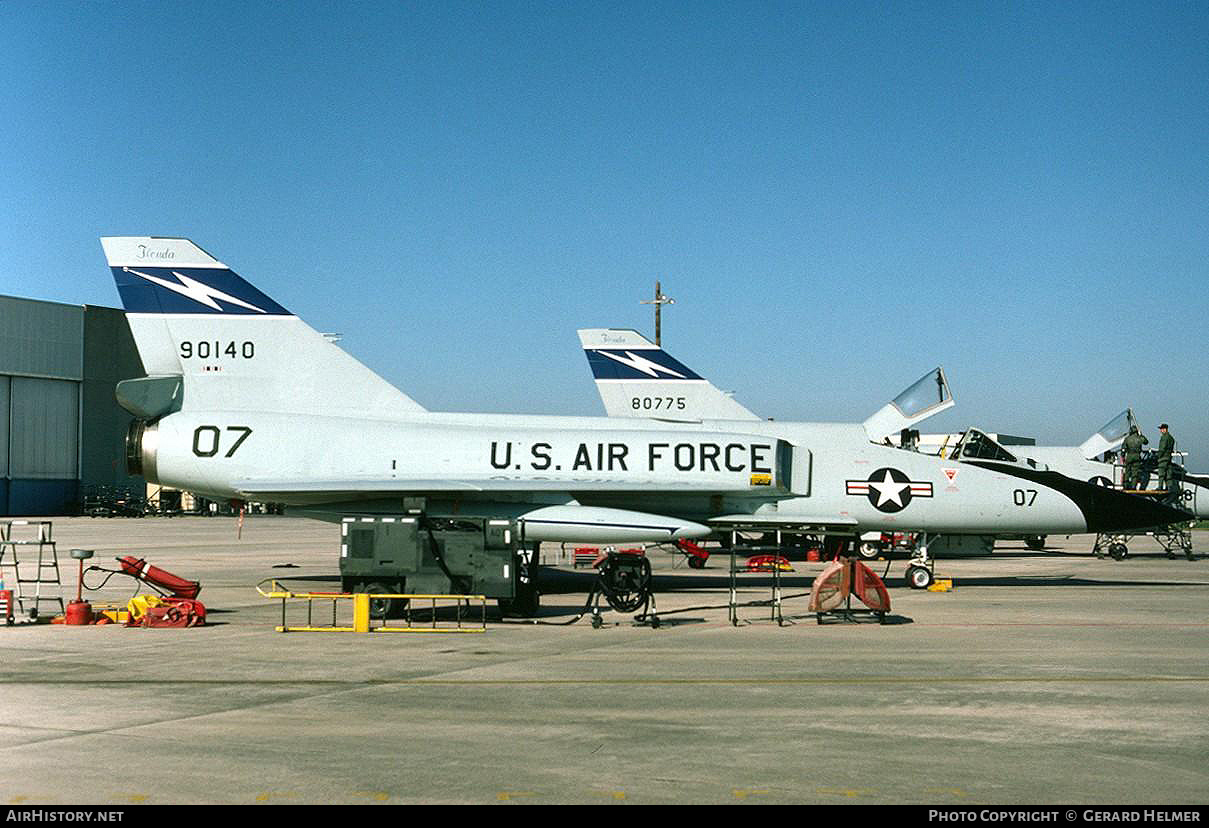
[
  {"x": 637, "y": 378},
  {"x": 234, "y": 347}
]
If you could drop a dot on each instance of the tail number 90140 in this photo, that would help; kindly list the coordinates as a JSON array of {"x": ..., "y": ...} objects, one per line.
[{"x": 216, "y": 349}]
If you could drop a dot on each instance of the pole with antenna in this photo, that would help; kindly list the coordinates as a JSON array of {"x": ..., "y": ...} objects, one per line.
[{"x": 659, "y": 301}]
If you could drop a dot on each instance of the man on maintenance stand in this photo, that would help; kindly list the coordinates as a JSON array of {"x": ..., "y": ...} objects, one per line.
[
  {"x": 1166, "y": 448},
  {"x": 1167, "y": 481},
  {"x": 1132, "y": 447}
]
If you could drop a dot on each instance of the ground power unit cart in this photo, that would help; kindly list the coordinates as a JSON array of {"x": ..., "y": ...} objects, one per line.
[{"x": 445, "y": 555}]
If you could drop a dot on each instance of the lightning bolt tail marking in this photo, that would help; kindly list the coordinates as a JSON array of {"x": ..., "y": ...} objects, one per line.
[
  {"x": 642, "y": 364},
  {"x": 197, "y": 291}
]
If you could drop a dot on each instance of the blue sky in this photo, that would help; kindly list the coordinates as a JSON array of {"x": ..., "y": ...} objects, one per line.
[{"x": 839, "y": 196}]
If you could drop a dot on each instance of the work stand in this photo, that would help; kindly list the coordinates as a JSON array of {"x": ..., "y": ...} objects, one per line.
[
  {"x": 45, "y": 571},
  {"x": 775, "y": 602},
  {"x": 1173, "y": 538}
]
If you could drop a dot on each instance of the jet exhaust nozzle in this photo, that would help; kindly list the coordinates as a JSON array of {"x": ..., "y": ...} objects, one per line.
[{"x": 142, "y": 442}]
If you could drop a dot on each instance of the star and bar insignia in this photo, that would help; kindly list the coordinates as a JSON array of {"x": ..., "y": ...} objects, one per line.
[{"x": 889, "y": 490}]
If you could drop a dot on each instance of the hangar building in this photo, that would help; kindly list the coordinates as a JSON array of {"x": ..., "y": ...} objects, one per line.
[{"x": 61, "y": 430}]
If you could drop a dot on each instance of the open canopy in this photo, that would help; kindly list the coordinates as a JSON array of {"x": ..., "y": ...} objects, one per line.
[
  {"x": 1110, "y": 436},
  {"x": 922, "y": 399}
]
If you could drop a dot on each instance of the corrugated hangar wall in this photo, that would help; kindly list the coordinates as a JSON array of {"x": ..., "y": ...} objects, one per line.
[
  {"x": 61, "y": 427},
  {"x": 110, "y": 356}
]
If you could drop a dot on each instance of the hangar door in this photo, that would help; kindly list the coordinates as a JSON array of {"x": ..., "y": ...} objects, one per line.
[
  {"x": 4, "y": 386},
  {"x": 42, "y": 445},
  {"x": 4, "y": 418},
  {"x": 44, "y": 428}
]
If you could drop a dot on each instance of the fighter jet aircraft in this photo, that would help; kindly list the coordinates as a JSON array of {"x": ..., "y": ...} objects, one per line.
[
  {"x": 1086, "y": 462},
  {"x": 664, "y": 381},
  {"x": 637, "y": 378},
  {"x": 1191, "y": 492},
  {"x": 1083, "y": 462},
  {"x": 243, "y": 400}
]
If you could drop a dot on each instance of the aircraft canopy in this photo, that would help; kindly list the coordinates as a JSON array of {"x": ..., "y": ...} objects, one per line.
[
  {"x": 922, "y": 399},
  {"x": 978, "y": 445},
  {"x": 1110, "y": 436}
]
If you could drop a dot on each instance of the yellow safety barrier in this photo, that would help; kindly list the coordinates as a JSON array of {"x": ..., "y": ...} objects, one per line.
[{"x": 360, "y": 607}]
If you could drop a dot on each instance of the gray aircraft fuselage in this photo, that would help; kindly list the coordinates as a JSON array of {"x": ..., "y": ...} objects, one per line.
[
  {"x": 244, "y": 400},
  {"x": 809, "y": 473}
]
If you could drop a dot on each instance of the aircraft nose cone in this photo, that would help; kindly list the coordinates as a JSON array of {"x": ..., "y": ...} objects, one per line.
[
  {"x": 691, "y": 531},
  {"x": 1103, "y": 509}
]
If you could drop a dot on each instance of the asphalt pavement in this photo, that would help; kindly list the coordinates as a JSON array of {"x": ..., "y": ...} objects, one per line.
[{"x": 1041, "y": 677}]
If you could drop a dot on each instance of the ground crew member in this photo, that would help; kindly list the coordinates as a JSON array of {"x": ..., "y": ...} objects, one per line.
[
  {"x": 1133, "y": 457},
  {"x": 1166, "y": 448}
]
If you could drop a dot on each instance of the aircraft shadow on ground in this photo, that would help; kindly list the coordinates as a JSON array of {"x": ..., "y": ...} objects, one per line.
[
  {"x": 1023, "y": 554},
  {"x": 865, "y": 617},
  {"x": 564, "y": 582},
  {"x": 323, "y": 579},
  {"x": 561, "y": 581},
  {"x": 557, "y": 581},
  {"x": 1035, "y": 581}
]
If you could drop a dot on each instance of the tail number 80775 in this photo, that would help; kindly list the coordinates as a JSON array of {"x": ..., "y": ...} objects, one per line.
[{"x": 657, "y": 403}]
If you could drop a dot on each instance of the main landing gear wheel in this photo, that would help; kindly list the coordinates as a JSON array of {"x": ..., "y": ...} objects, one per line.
[
  {"x": 382, "y": 608},
  {"x": 868, "y": 550},
  {"x": 1118, "y": 551},
  {"x": 696, "y": 563},
  {"x": 918, "y": 577},
  {"x": 1035, "y": 542}
]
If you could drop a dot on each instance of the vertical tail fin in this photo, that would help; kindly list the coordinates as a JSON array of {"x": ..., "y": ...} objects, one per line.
[
  {"x": 233, "y": 346},
  {"x": 637, "y": 378}
]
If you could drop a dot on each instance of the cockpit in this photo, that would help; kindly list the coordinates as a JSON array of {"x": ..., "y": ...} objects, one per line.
[{"x": 978, "y": 445}]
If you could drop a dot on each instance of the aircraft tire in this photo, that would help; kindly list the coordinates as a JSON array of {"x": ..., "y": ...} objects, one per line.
[
  {"x": 868, "y": 550},
  {"x": 383, "y": 608},
  {"x": 1118, "y": 551},
  {"x": 1035, "y": 542},
  {"x": 919, "y": 577},
  {"x": 695, "y": 562}
]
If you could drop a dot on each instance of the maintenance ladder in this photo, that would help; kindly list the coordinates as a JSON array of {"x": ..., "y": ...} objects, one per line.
[
  {"x": 46, "y": 570},
  {"x": 427, "y": 604}
]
